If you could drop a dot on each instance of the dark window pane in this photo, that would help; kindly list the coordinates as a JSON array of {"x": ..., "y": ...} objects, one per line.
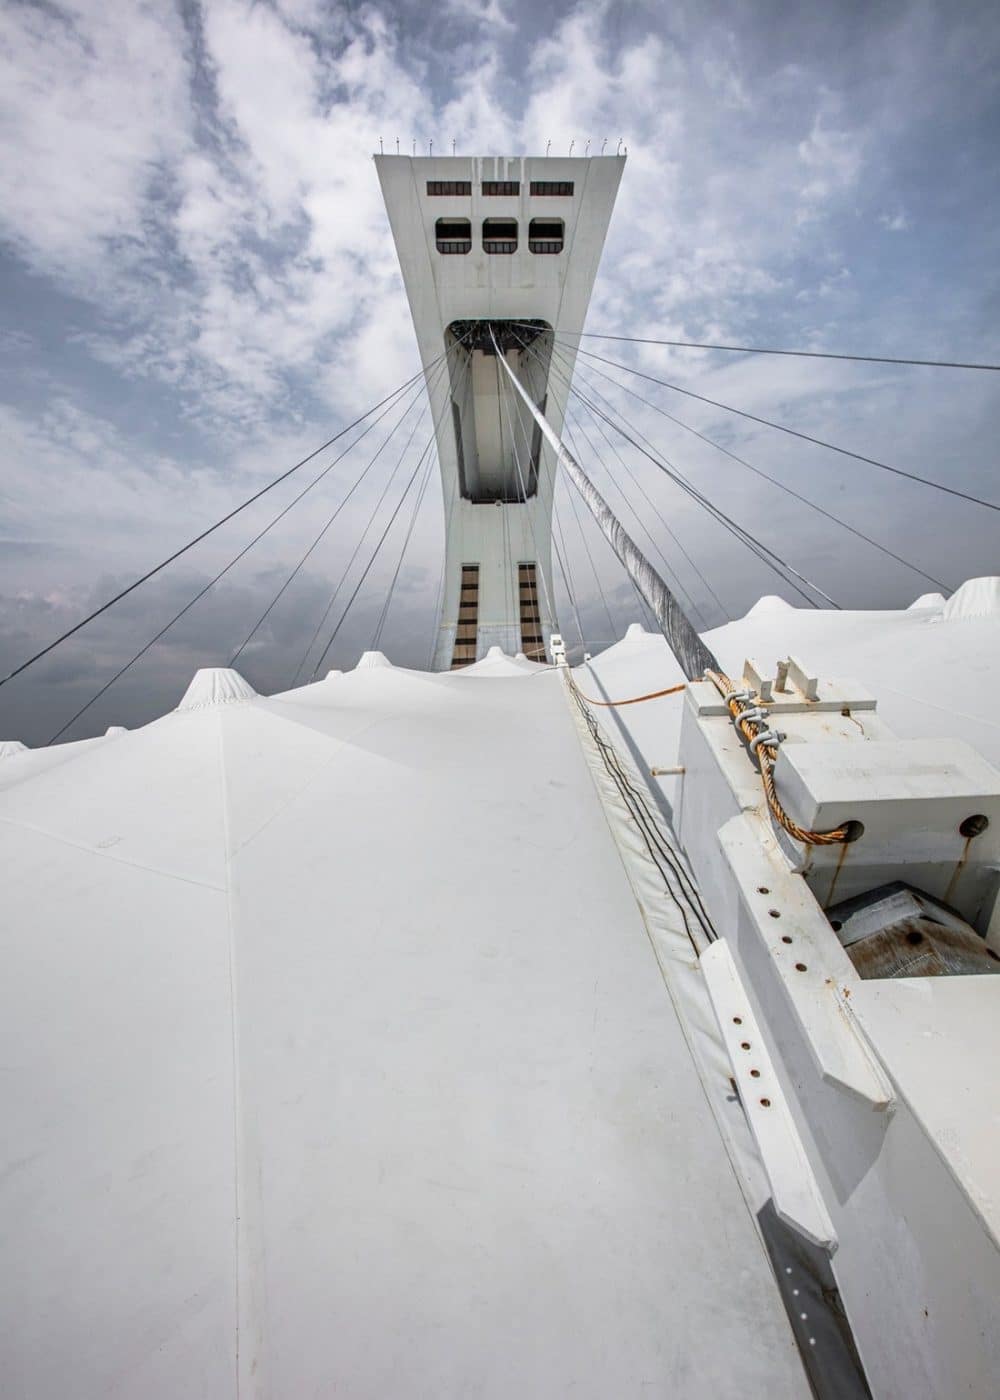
[
  {"x": 453, "y": 235},
  {"x": 500, "y": 235},
  {"x": 546, "y": 235}
]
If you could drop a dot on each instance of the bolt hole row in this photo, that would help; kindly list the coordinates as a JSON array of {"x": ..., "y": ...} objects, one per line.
[{"x": 785, "y": 938}]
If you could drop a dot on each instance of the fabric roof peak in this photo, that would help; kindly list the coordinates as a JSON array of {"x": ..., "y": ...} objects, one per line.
[
  {"x": 770, "y": 603},
  {"x": 216, "y": 685},
  {"x": 977, "y": 597}
]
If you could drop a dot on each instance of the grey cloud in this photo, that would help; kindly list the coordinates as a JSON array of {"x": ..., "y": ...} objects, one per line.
[{"x": 206, "y": 289}]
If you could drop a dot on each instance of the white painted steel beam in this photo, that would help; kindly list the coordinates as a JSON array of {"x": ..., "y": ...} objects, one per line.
[{"x": 797, "y": 1197}]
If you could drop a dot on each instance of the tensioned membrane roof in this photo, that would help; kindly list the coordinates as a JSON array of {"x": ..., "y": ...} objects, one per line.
[
  {"x": 336, "y": 1055},
  {"x": 337, "y": 1060}
]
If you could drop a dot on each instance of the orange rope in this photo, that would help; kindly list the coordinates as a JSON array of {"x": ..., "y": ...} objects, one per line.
[
  {"x": 767, "y": 755},
  {"x": 653, "y": 695}
]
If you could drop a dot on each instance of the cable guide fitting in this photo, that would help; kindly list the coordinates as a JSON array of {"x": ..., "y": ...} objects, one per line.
[{"x": 754, "y": 712}]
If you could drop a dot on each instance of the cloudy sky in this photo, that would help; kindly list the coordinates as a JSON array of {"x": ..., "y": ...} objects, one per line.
[{"x": 199, "y": 287}]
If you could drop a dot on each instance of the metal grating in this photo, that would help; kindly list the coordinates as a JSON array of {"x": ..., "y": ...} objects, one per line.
[
  {"x": 532, "y": 642},
  {"x": 464, "y": 650},
  {"x": 560, "y": 187}
]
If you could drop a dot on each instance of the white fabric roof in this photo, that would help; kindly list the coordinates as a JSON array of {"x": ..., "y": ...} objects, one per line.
[
  {"x": 934, "y": 669},
  {"x": 337, "y": 1055},
  {"x": 337, "y": 1058}
]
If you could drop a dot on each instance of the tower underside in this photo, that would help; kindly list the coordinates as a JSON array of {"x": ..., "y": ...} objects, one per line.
[{"x": 498, "y": 258}]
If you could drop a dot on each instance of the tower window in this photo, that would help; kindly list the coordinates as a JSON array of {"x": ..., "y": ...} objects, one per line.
[
  {"x": 561, "y": 187},
  {"x": 464, "y": 650},
  {"x": 453, "y": 235},
  {"x": 546, "y": 235},
  {"x": 499, "y": 235},
  {"x": 532, "y": 642},
  {"x": 449, "y": 186},
  {"x": 501, "y": 187}
]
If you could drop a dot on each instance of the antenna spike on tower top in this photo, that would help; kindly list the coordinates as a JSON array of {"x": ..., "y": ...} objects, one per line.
[
  {"x": 453, "y": 145},
  {"x": 430, "y": 148},
  {"x": 586, "y": 149},
  {"x": 603, "y": 144},
  {"x": 571, "y": 145},
  {"x": 548, "y": 147},
  {"x": 397, "y": 145},
  {"x": 381, "y": 148}
]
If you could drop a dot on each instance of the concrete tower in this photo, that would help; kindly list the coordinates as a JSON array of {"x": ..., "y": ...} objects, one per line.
[{"x": 497, "y": 251}]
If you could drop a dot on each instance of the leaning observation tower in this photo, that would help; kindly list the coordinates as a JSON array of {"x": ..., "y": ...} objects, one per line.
[
  {"x": 507, "y": 1027},
  {"x": 499, "y": 257}
]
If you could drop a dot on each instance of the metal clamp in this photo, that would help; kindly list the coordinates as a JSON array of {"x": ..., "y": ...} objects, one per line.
[
  {"x": 769, "y": 736},
  {"x": 755, "y": 713}
]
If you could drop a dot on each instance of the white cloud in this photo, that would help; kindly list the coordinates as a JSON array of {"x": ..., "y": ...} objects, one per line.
[
  {"x": 894, "y": 223},
  {"x": 208, "y": 190},
  {"x": 94, "y": 112},
  {"x": 489, "y": 13},
  {"x": 832, "y": 159}
]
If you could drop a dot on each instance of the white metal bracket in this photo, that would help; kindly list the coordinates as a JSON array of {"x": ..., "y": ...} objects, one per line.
[{"x": 794, "y": 1189}]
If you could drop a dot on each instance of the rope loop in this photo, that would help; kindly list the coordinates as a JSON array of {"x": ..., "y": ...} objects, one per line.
[{"x": 752, "y": 722}]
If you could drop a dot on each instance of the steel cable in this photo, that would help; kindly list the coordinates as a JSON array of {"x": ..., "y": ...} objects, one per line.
[
  {"x": 764, "y": 552},
  {"x": 376, "y": 639},
  {"x": 316, "y": 541},
  {"x": 761, "y": 550},
  {"x": 350, "y": 563},
  {"x": 430, "y": 442},
  {"x": 221, "y": 574},
  {"x": 794, "y": 432},
  {"x": 151, "y": 573},
  {"x": 800, "y": 354},
  {"x": 375, "y": 553},
  {"x": 758, "y": 471}
]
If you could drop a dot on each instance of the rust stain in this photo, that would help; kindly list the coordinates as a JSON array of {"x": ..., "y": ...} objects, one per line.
[
  {"x": 846, "y": 712},
  {"x": 956, "y": 874},
  {"x": 845, "y": 846}
]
